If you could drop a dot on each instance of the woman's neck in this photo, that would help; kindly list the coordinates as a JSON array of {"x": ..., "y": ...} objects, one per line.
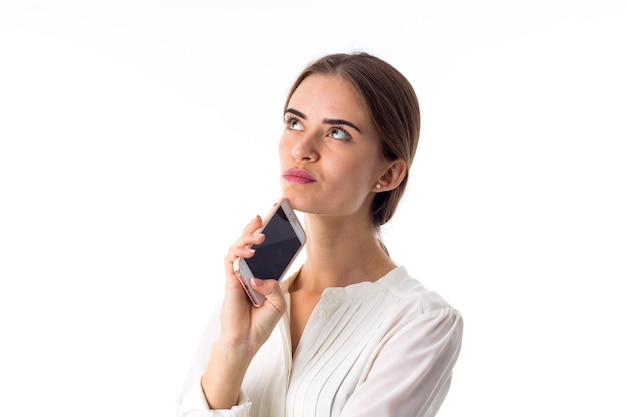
[{"x": 341, "y": 252}]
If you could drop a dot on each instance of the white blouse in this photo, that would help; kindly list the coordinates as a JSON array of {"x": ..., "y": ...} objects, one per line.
[{"x": 384, "y": 348}]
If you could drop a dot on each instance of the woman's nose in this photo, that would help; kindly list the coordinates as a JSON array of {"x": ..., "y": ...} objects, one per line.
[{"x": 305, "y": 148}]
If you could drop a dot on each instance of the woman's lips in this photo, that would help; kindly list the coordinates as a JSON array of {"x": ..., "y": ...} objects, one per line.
[{"x": 298, "y": 176}]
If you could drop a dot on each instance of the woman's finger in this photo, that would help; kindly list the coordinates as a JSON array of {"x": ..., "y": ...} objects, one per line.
[{"x": 250, "y": 236}]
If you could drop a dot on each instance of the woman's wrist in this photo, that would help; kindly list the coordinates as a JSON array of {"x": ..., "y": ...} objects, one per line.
[{"x": 234, "y": 351}]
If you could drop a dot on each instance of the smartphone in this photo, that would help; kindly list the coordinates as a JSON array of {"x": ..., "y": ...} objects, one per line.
[{"x": 284, "y": 238}]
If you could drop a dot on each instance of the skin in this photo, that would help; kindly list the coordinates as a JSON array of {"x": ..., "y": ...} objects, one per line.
[{"x": 330, "y": 136}]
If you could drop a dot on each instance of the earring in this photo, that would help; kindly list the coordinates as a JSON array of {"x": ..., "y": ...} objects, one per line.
[{"x": 378, "y": 186}]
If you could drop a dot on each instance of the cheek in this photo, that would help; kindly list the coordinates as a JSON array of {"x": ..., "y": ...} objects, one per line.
[
  {"x": 363, "y": 173},
  {"x": 355, "y": 184}
]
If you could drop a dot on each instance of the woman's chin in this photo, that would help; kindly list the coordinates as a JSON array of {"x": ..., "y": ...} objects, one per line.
[{"x": 298, "y": 201}]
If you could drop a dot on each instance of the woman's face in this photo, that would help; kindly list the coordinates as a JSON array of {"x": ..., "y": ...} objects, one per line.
[{"x": 329, "y": 152}]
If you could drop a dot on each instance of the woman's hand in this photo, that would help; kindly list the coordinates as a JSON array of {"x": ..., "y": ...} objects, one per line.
[
  {"x": 244, "y": 328},
  {"x": 242, "y": 323}
]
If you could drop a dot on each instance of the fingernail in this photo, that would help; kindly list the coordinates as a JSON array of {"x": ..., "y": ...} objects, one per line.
[{"x": 258, "y": 282}]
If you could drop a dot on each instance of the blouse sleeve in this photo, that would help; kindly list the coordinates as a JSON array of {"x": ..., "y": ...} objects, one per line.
[
  {"x": 191, "y": 400},
  {"x": 412, "y": 371}
]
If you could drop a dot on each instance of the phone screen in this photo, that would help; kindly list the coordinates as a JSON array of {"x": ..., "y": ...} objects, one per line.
[{"x": 275, "y": 253}]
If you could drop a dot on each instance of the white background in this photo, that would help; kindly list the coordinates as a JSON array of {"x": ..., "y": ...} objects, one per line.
[{"x": 137, "y": 138}]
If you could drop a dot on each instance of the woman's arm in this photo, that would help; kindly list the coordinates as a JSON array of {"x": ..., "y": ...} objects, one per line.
[{"x": 243, "y": 327}]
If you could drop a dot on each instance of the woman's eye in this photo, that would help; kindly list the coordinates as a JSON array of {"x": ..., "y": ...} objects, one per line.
[
  {"x": 339, "y": 134},
  {"x": 294, "y": 124}
]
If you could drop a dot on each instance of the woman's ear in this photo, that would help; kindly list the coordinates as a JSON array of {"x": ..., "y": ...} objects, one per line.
[{"x": 394, "y": 173}]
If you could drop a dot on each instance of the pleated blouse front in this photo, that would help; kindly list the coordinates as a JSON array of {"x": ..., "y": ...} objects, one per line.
[{"x": 383, "y": 348}]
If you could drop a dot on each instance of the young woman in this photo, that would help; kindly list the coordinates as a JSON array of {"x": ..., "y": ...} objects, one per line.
[{"x": 350, "y": 333}]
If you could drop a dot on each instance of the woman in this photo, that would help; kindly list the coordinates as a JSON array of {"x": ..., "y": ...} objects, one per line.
[{"x": 351, "y": 333}]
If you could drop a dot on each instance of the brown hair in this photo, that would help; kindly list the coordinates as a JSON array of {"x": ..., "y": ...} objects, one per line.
[{"x": 392, "y": 104}]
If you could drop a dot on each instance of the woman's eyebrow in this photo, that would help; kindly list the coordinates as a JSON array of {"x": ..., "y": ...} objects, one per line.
[
  {"x": 327, "y": 121},
  {"x": 296, "y": 112},
  {"x": 341, "y": 122}
]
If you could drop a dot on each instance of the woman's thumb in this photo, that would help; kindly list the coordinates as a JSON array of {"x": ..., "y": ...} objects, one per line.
[{"x": 270, "y": 288}]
